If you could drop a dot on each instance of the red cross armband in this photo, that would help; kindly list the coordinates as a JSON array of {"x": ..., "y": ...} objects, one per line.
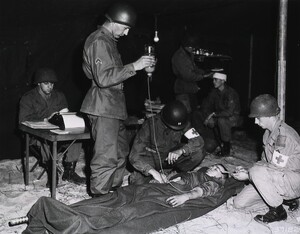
[
  {"x": 191, "y": 133},
  {"x": 279, "y": 159}
]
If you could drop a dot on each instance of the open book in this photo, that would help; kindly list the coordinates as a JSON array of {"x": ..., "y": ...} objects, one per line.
[{"x": 40, "y": 125}]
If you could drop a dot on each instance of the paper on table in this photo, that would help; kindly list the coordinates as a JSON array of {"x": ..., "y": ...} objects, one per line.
[
  {"x": 72, "y": 120},
  {"x": 58, "y": 131},
  {"x": 40, "y": 125}
]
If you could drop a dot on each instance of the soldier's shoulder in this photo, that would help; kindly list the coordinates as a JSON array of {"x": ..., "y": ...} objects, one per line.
[
  {"x": 29, "y": 94},
  {"x": 288, "y": 131},
  {"x": 96, "y": 36}
]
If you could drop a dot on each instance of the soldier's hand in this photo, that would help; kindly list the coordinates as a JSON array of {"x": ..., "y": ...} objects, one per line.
[
  {"x": 177, "y": 200},
  {"x": 64, "y": 110},
  {"x": 173, "y": 156},
  {"x": 209, "y": 123},
  {"x": 240, "y": 173},
  {"x": 161, "y": 178},
  {"x": 210, "y": 74},
  {"x": 54, "y": 113},
  {"x": 144, "y": 61}
]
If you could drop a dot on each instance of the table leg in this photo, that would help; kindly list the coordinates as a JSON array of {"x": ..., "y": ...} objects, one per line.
[
  {"x": 27, "y": 160},
  {"x": 54, "y": 158}
]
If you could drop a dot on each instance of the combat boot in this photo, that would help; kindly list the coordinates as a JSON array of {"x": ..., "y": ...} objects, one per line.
[
  {"x": 70, "y": 175},
  {"x": 273, "y": 215},
  {"x": 292, "y": 204}
]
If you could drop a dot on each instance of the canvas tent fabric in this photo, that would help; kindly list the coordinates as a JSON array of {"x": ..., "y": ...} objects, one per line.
[{"x": 131, "y": 209}]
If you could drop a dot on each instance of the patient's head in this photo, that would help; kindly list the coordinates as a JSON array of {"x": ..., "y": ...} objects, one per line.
[{"x": 217, "y": 171}]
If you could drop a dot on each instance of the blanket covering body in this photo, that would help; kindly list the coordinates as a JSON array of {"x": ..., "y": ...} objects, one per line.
[{"x": 131, "y": 209}]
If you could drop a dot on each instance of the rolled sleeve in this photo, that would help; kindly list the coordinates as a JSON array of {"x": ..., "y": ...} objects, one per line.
[{"x": 209, "y": 188}]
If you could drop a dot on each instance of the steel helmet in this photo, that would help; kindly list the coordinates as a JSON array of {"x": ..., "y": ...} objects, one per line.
[
  {"x": 175, "y": 115},
  {"x": 264, "y": 105},
  {"x": 122, "y": 13},
  {"x": 45, "y": 75}
]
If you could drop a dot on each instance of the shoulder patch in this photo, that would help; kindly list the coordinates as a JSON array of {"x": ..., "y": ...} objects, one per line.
[{"x": 280, "y": 141}]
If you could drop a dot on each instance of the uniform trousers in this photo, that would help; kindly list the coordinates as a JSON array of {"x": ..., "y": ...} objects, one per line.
[
  {"x": 225, "y": 124},
  {"x": 111, "y": 147},
  {"x": 269, "y": 186}
]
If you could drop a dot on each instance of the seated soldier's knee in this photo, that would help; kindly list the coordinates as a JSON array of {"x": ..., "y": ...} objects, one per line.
[{"x": 257, "y": 172}]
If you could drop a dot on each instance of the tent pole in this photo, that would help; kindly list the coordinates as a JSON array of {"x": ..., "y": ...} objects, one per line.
[{"x": 281, "y": 91}]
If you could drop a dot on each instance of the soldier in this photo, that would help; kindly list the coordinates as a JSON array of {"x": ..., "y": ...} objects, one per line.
[
  {"x": 40, "y": 104},
  {"x": 275, "y": 179},
  {"x": 165, "y": 141},
  {"x": 218, "y": 114},
  {"x": 104, "y": 102},
  {"x": 204, "y": 188},
  {"x": 187, "y": 72}
]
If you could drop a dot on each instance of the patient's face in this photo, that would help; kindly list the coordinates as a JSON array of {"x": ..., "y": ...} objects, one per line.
[{"x": 216, "y": 171}]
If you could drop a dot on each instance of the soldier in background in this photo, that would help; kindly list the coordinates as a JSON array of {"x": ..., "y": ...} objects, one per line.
[
  {"x": 219, "y": 112},
  {"x": 187, "y": 73}
]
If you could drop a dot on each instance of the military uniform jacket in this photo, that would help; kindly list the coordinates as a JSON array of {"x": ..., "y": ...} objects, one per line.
[
  {"x": 282, "y": 148},
  {"x": 144, "y": 154},
  {"x": 186, "y": 72},
  {"x": 33, "y": 107},
  {"x": 103, "y": 65},
  {"x": 224, "y": 103}
]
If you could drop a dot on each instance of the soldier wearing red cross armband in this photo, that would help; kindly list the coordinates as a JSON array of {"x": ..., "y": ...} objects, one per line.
[
  {"x": 165, "y": 141},
  {"x": 275, "y": 179}
]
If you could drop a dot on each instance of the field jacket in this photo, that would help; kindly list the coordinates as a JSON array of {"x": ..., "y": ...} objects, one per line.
[{"x": 102, "y": 64}]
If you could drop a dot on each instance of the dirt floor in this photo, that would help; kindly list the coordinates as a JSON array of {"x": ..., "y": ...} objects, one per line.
[{"x": 16, "y": 198}]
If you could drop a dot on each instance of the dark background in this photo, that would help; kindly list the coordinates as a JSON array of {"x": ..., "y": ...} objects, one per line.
[{"x": 36, "y": 33}]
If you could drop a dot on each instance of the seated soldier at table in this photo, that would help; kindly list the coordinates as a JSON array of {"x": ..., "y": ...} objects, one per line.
[
  {"x": 165, "y": 141},
  {"x": 39, "y": 104},
  {"x": 209, "y": 185}
]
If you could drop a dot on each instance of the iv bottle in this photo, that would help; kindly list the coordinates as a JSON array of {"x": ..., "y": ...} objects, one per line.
[{"x": 149, "y": 50}]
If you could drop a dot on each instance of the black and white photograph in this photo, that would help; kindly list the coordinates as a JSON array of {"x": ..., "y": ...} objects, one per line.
[{"x": 149, "y": 117}]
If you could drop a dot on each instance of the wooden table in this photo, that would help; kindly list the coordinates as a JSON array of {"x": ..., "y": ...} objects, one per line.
[{"x": 72, "y": 136}]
